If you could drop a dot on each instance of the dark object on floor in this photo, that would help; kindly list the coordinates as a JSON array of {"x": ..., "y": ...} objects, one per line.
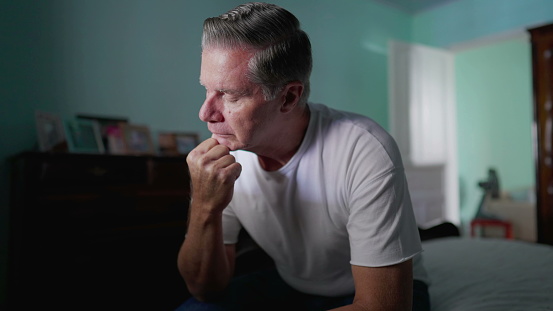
[{"x": 442, "y": 230}]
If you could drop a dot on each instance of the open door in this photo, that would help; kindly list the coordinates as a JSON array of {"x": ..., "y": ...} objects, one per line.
[
  {"x": 542, "y": 68},
  {"x": 422, "y": 120}
]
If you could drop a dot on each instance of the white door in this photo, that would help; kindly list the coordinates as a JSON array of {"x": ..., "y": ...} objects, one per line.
[{"x": 422, "y": 120}]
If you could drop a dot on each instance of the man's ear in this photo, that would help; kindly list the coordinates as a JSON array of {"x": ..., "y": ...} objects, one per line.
[{"x": 291, "y": 96}]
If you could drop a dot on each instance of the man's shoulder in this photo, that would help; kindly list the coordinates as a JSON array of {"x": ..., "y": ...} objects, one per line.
[
  {"x": 338, "y": 116},
  {"x": 352, "y": 131},
  {"x": 332, "y": 119}
]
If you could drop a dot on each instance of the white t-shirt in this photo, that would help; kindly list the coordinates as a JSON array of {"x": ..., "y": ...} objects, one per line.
[{"x": 341, "y": 200}]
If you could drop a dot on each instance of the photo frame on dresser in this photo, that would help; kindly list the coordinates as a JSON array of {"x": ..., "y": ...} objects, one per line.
[
  {"x": 186, "y": 142},
  {"x": 177, "y": 143},
  {"x": 83, "y": 136},
  {"x": 137, "y": 139},
  {"x": 109, "y": 130},
  {"x": 50, "y": 131}
]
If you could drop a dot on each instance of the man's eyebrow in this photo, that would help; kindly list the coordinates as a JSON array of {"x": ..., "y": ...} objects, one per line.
[
  {"x": 234, "y": 91},
  {"x": 237, "y": 92}
]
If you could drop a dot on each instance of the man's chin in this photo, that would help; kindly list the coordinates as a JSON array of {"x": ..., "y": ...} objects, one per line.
[{"x": 225, "y": 141}]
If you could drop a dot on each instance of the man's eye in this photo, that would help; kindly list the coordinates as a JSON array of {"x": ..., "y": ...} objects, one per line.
[{"x": 230, "y": 98}]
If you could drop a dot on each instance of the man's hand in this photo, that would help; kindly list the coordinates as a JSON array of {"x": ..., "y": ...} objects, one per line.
[
  {"x": 213, "y": 171},
  {"x": 204, "y": 262}
]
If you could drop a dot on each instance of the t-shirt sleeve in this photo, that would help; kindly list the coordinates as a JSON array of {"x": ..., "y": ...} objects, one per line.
[
  {"x": 381, "y": 224},
  {"x": 231, "y": 226}
]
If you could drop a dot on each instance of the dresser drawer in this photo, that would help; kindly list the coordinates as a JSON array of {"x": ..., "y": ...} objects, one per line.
[{"x": 93, "y": 171}]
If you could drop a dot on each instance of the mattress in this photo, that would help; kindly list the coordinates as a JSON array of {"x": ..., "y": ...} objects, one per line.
[{"x": 468, "y": 274}]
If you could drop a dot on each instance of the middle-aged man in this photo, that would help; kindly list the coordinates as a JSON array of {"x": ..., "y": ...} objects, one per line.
[{"x": 322, "y": 191}]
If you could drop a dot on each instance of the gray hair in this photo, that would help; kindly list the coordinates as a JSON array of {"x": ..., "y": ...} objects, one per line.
[{"x": 282, "y": 50}]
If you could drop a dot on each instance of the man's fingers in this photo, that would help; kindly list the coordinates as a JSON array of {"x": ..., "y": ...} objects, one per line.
[
  {"x": 235, "y": 169},
  {"x": 205, "y": 145},
  {"x": 215, "y": 158},
  {"x": 198, "y": 151},
  {"x": 207, "y": 151},
  {"x": 225, "y": 161},
  {"x": 209, "y": 143},
  {"x": 227, "y": 168},
  {"x": 213, "y": 171}
]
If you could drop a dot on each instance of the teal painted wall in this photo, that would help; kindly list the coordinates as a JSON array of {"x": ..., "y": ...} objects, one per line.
[
  {"x": 478, "y": 127},
  {"x": 467, "y": 20},
  {"x": 350, "y": 42},
  {"x": 140, "y": 59},
  {"x": 494, "y": 118}
]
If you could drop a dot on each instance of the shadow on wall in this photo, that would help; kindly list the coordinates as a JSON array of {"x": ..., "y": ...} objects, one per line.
[{"x": 28, "y": 59}]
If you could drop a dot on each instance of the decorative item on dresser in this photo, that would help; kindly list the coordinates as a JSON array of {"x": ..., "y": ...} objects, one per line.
[
  {"x": 50, "y": 131},
  {"x": 137, "y": 139},
  {"x": 176, "y": 143},
  {"x": 84, "y": 136},
  {"x": 96, "y": 231}
]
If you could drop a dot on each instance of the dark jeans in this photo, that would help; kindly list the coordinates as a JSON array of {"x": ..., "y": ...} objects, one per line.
[{"x": 265, "y": 290}]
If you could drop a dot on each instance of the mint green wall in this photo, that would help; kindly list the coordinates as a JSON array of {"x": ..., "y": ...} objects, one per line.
[
  {"x": 466, "y": 20},
  {"x": 350, "y": 42},
  {"x": 478, "y": 129},
  {"x": 494, "y": 118},
  {"x": 140, "y": 59}
]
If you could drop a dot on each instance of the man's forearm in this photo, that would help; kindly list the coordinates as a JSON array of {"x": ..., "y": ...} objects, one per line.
[
  {"x": 351, "y": 307},
  {"x": 202, "y": 259},
  {"x": 366, "y": 307},
  {"x": 388, "y": 288}
]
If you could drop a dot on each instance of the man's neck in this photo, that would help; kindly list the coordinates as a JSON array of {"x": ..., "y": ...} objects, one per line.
[{"x": 284, "y": 151}]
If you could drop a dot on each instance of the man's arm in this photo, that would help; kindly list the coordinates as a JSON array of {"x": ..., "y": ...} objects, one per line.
[
  {"x": 204, "y": 262},
  {"x": 383, "y": 288}
]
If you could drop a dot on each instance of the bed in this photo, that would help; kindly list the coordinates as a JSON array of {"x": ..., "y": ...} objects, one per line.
[
  {"x": 471, "y": 274},
  {"x": 466, "y": 274}
]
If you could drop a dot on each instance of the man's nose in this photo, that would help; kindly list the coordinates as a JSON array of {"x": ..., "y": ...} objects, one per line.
[{"x": 211, "y": 109}]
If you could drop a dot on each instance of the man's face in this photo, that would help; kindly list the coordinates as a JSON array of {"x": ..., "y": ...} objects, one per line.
[{"x": 235, "y": 109}]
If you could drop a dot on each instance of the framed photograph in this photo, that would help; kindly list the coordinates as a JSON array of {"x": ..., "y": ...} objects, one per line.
[
  {"x": 177, "y": 143},
  {"x": 167, "y": 144},
  {"x": 108, "y": 125},
  {"x": 186, "y": 142},
  {"x": 115, "y": 143},
  {"x": 50, "y": 132},
  {"x": 83, "y": 136},
  {"x": 137, "y": 139}
]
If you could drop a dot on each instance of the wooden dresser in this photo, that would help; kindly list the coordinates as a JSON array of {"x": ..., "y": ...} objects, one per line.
[{"x": 96, "y": 232}]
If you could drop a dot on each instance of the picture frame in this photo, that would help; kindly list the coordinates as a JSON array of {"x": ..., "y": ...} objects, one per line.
[
  {"x": 186, "y": 142},
  {"x": 50, "y": 132},
  {"x": 177, "y": 143},
  {"x": 108, "y": 126},
  {"x": 114, "y": 138},
  {"x": 83, "y": 136},
  {"x": 137, "y": 139}
]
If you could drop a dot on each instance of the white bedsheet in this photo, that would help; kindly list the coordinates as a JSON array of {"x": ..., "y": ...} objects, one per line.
[{"x": 489, "y": 274}]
